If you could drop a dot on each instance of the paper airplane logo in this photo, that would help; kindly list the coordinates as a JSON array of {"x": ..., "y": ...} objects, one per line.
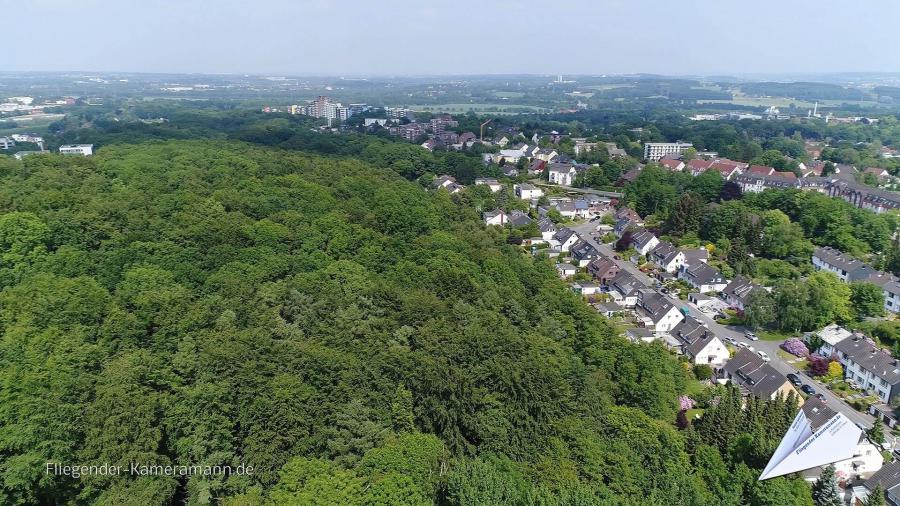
[{"x": 818, "y": 436}]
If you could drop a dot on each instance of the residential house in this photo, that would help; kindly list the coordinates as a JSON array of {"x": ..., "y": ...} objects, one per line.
[
  {"x": 493, "y": 184},
  {"x": 756, "y": 377},
  {"x": 640, "y": 335},
  {"x": 583, "y": 253},
  {"x": 737, "y": 293},
  {"x": 727, "y": 168},
  {"x": 519, "y": 219},
  {"x": 566, "y": 238},
  {"x": 694, "y": 256},
  {"x": 603, "y": 269},
  {"x": 698, "y": 166},
  {"x": 672, "y": 164},
  {"x": 644, "y": 241},
  {"x": 667, "y": 257},
  {"x": 615, "y": 151},
  {"x": 527, "y": 191},
  {"x": 537, "y": 167},
  {"x": 703, "y": 277},
  {"x": 495, "y": 217},
  {"x": 561, "y": 173},
  {"x": 623, "y": 225},
  {"x": 864, "y": 197},
  {"x": 880, "y": 174},
  {"x": 443, "y": 181},
  {"x": 699, "y": 344},
  {"x": 624, "y": 289},
  {"x": 77, "y": 149},
  {"x": 566, "y": 270},
  {"x": 547, "y": 228},
  {"x": 657, "y": 313},
  {"x": 887, "y": 479},
  {"x": 608, "y": 309},
  {"x": 629, "y": 176},
  {"x": 845, "y": 267},
  {"x": 759, "y": 170},
  {"x": 870, "y": 367},
  {"x": 830, "y": 336},
  {"x": 585, "y": 288},
  {"x": 630, "y": 214},
  {"x": 754, "y": 183}
]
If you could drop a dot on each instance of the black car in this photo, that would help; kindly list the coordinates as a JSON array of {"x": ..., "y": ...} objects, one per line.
[
  {"x": 808, "y": 390},
  {"x": 794, "y": 379},
  {"x": 821, "y": 397}
]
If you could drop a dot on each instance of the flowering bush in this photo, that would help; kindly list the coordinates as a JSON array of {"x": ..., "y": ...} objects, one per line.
[
  {"x": 685, "y": 402},
  {"x": 818, "y": 365},
  {"x": 795, "y": 347}
]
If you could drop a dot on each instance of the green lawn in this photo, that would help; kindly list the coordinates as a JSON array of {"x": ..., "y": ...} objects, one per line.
[
  {"x": 692, "y": 413},
  {"x": 774, "y": 335}
]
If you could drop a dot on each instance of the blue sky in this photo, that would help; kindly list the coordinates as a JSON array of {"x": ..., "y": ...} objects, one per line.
[{"x": 415, "y": 37}]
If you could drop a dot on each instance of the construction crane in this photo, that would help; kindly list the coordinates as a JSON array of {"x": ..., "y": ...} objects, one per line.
[{"x": 482, "y": 128}]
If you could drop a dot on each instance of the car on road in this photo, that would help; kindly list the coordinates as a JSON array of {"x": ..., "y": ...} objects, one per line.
[
  {"x": 742, "y": 345},
  {"x": 808, "y": 390},
  {"x": 750, "y": 348},
  {"x": 751, "y": 336},
  {"x": 664, "y": 290},
  {"x": 794, "y": 379},
  {"x": 763, "y": 355},
  {"x": 732, "y": 341},
  {"x": 616, "y": 257},
  {"x": 821, "y": 397}
]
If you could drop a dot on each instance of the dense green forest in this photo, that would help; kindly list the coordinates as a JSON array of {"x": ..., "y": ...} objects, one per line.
[{"x": 353, "y": 337}]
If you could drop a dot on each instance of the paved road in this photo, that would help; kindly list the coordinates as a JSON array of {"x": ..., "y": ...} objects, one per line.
[{"x": 737, "y": 333}]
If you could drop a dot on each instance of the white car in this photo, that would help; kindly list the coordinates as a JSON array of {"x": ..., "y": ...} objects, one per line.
[
  {"x": 763, "y": 355},
  {"x": 751, "y": 336}
]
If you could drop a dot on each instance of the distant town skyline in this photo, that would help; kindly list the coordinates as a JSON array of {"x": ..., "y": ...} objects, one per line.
[{"x": 406, "y": 37}]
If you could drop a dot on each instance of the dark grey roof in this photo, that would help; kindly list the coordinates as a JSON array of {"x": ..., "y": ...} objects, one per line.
[
  {"x": 887, "y": 477},
  {"x": 626, "y": 284},
  {"x": 519, "y": 219},
  {"x": 692, "y": 335},
  {"x": 856, "y": 269},
  {"x": 546, "y": 225},
  {"x": 740, "y": 288},
  {"x": 654, "y": 303},
  {"x": 871, "y": 358},
  {"x": 704, "y": 274},
  {"x": 563, "y": 234},
  {"x": 581, "y": 250},
  {"x": 664, "y": 252},
  {"x": 751, "y": 372},
  {"x": 817, "y": 412},
  {"x": 640, "y": 239},
  {"x": 695, "y": 255}
]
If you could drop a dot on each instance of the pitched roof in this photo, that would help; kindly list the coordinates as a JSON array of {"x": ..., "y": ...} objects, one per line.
[
  {"x": 695, "y": 255},
  {"x": 761, "y": 170},
  {"x": 626, "y": 284},
  {"x": 699, "y": 165},
  {"x": 582, "y": 250},
  {"x": 546, "y": 225},
  {"x": 751, "y": 372},
  {"x": 693, "y": 336},
  {"x": 887, "y": 477},
  {"x": 654, "y": 303},
  {"x": 856, "y": 269},
  {"x": 518, "y": 218},
  {"x": 871, "y": 358},
  {"x": 740, "y": 288},
  {"x": 563, "y": 234},
  {"x": 642, "y": 238},
  {"x": 704, "y": 273},
  {"x": 671, "y": 164}
]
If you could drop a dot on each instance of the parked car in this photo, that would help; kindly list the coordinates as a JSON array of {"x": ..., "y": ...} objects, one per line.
[
  {"x": 808, "y": 390},
  {"x": 742, "y": 345},
  {"x": 821, "y": 397},
  {"x": 794, "y": 379},
  {"x": 751, "y": 336},
  {"x": 763, "y": 355},
  {"x": 732, "y": 341}
]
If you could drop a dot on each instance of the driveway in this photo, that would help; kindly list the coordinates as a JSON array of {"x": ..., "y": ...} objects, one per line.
[{"x": 737, "y": 333}]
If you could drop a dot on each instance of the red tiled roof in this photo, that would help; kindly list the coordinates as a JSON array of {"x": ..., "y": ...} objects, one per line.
[{"x": 761, "y": 170}]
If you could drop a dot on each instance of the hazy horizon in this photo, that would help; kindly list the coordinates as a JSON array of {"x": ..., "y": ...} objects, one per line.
[{"x": 403, "y": 38}]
